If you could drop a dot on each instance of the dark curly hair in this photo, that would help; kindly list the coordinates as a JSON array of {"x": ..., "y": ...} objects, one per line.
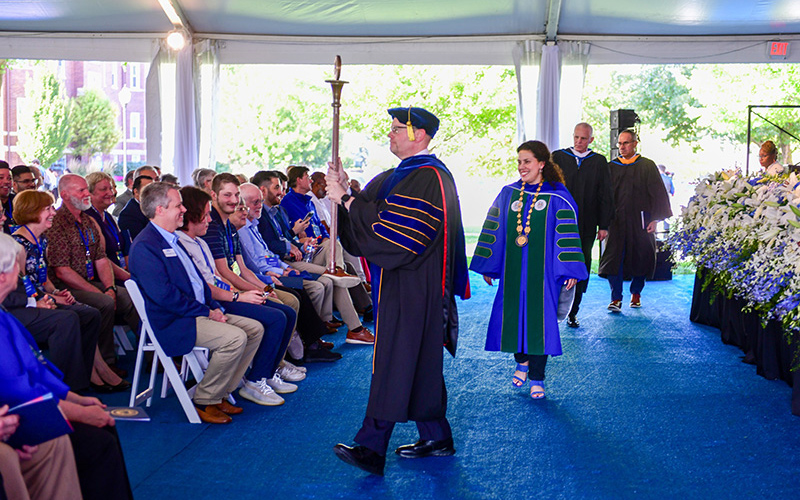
[{"x": 551, "y": 171}]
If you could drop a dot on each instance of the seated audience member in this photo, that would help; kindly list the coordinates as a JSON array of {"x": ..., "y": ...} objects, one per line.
[
  {"x": 181, "y": 310},
  {"x": 768, "y": 158},
  {"x": 278, "y": 320},
  {"x": 324, "y": 291},
  {"x": 23, "y": 178},
  {"x": 77, "y": 262},
  {"x": 171, "y": 179},
  {"x": 102, "y": 188},
  {"x": 6, "y": 197},
  {"x": 297, "y": 203},
  {"x": 131, "y": 220},
  {"x": 69, "y": 329},
  {"x": 274, "y": 227},
  {"x": 125, "y": 197},
  {"x": 323, "y": 206},
  {"x": 26, "y": 376},
  {"x": 223, "y": 240},
  {"x": 39, "y": 472},
  {"x": 202, "y": 178}
]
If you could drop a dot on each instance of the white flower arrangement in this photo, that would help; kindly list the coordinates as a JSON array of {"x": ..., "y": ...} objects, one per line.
[{"x": 745, "y": 233}]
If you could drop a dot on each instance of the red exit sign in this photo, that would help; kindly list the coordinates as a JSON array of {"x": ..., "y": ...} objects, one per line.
[{"x": 778, "y": 50}]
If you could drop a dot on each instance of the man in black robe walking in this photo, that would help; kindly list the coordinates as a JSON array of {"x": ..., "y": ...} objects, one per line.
[
  {"x": 407, "y": 223},
  {"x": 589, "y": 182},
  {"x": 640, "y": 203}
]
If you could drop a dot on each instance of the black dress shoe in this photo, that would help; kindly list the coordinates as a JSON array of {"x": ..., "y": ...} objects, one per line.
[
  {"x": 105, "y": 388},
  {"x": 573, "y": 322},
  {"x": 420, "y": 449},
  {"x": 316, "y": 354},
  {"x": 361, "y": 457}
]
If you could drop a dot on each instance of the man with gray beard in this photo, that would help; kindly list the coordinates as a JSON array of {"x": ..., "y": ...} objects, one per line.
[{"x": 77, "y": 261}]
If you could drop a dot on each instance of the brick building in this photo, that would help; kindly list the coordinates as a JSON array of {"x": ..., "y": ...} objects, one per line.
[{"x": 76, "y": 77}]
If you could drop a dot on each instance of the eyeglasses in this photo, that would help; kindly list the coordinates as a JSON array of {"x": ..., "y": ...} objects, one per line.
[
  {"x": 625, "y": 143},
  {"x": 242, "y": 208},
  {"x": 395, "y": 129}
]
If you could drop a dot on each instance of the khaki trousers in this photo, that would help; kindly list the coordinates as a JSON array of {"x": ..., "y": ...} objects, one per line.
[
  {"x": 341, "y": 297},
  {"x": 50, "y": 474},
  {"x": 232, "y": 345}
]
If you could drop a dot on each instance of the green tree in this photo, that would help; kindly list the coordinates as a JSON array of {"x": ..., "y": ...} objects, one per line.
[
  {"x": 661, "y": 95},
  {"x": 94, "y": 126},
  {"x": 290, "y": 119},
  {"x": 44, "y": 128},
  {"x": 734, "y": 87}
]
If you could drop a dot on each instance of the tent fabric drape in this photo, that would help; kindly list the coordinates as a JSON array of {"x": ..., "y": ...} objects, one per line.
[
  {"x": 574, "y": 61},
  {"x": 549, "y": 83},
  {"x": 526, "y": 57},
  {"x": 206, "y": 70},
  {"x": 152, "y": 95},
  {"x": 185, "y": 159}
]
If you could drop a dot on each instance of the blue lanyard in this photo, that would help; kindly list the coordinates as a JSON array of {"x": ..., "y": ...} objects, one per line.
[
  {"x": 205, "y": 256},
  {"x": 85, "y": 241},
  {"x": 36, "y": 241},
  {"x": 41, "y": 264},
  {"x": 89, "y": 265},
  {"x": 229, "y": 239}
]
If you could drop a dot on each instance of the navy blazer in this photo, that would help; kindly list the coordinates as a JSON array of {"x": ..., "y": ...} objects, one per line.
[
  {"x": 169, "y": 299},
  {"x": 272, "y": 237},
  {"x": 131, "y": 219}
]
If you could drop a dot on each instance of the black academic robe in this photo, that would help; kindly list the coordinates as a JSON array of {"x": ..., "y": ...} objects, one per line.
[
  {"x": 639, "y": 198},
  {"x": 588, "y": 180},
  {"x": 412, "y": 248}
]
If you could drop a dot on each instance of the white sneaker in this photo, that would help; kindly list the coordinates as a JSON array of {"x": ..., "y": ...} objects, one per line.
[
  {"x": 281, "y": 387},
  {"x": 260, "y": 393},
  {"x": 293, "y": 366},
  {"x": 290, "y": 374}
]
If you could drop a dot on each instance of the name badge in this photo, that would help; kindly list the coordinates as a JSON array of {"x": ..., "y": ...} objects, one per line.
[
  {"x": 169, "y": 252},
  {"x": 273, "y": 262}
]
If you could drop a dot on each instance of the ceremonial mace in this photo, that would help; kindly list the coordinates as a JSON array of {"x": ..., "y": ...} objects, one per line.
[{"x": 336, "y": 87}]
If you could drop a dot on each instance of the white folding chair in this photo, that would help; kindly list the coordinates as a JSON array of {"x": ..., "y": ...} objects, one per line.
[
  {"x": 149, "y": 343},
  {"x": 121, "y": 339}
]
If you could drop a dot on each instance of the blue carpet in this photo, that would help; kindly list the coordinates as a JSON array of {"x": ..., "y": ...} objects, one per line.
[{"x": 643, "y": 404}]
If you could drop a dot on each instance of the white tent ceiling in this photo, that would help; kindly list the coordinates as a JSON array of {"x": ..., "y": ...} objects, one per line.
[{"x": 394, "y": 31}]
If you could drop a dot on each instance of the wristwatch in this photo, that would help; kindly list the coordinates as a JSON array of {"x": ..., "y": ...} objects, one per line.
[
  {"x": 110, "y": 287},
  {"x": 345, "y": 197},
  {"x": 235, "y": 297}
]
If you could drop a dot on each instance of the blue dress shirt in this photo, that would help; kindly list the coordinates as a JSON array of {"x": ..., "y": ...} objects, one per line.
[{"x": 196, "y": 279}]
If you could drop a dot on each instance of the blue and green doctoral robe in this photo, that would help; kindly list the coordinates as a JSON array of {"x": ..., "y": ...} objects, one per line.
[{"x": 524, "y": 313}]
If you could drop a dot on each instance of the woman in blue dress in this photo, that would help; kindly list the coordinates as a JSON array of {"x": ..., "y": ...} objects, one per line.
[{"x": 530, "y": 242}]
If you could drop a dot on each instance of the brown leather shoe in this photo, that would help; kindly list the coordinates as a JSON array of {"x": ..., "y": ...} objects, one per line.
[
  {"x": 363, "y": 337},
  {"x": 212, "y": 415},
  {"x": 325, "y": 345},
  {"x": 227, "y": 408},
  {"x": 332, "y": 328},
  {"x": 335, "y": 323},
  {"x": 341, "y": 273}
]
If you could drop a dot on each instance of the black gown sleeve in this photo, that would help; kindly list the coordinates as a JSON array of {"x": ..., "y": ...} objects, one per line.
[{"x": 396, "y": 232}]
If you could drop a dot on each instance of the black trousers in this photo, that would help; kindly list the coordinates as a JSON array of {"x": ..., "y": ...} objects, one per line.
[
  {"x": 375, "y": 433},
  {"x": 309, "y": 325},
  {"x": 70, "y": 333},
  {"x": 536, "y": 364},
  {"x": 586, "y": 245},
  {"x": 100, "y": 464}
]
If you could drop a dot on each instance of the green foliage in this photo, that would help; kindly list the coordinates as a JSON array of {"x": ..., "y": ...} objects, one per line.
[
  {"x": 734, "y": 87},
  {"x": 289, "y": 120},
  {"x": 44, "y": 127},
  {"x": 660, "y": 95},
  {"x": 94, "y": 125}
]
